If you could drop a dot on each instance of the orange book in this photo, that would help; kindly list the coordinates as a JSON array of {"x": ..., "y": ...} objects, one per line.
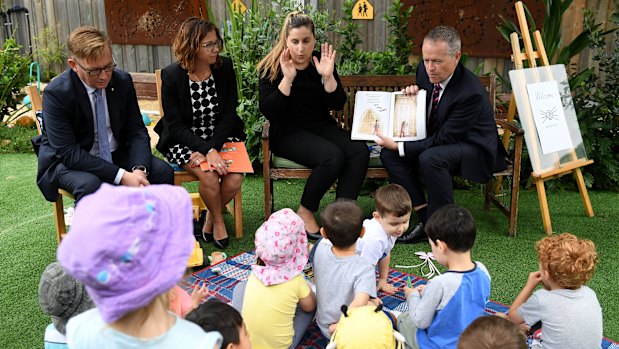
[{"x": 236, "y": 158}]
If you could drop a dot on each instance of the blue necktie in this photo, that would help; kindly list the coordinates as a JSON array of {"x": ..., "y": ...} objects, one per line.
[
  {"x": 104, "y": 144},
  {"x": 432, "y": 119}
]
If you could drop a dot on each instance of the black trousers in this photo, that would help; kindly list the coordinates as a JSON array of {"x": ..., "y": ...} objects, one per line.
[
  {"x": 81, "y": 183},
  {"x": 331, "y": 155},
  {"x": 434, "y": 167}
]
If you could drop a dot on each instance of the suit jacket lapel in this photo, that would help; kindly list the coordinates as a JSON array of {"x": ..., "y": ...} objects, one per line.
[
  {"x": 113, "y": 103},
  {"x": 448, "y": 95},
  {"x": 84, "y": 102},
  {"x": 184, "y": 92}
]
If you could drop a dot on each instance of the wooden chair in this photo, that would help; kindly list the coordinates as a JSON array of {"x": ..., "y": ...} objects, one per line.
[
  {"x": 37, "y": 107},
  {"x": 181, "y": 176},
  {"x": 496, "y": 191}
]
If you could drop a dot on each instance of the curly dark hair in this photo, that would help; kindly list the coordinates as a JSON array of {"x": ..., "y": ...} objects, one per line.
[{"x": 187, "y": 42}]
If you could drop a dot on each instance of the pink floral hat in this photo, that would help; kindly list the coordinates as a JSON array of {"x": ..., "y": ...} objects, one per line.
[{"x": 281, "y": 244}]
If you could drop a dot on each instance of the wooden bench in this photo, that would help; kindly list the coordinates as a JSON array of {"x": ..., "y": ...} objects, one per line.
[
  {"x": 502, "y": 190},
  {"x": 145, "y": 85}
]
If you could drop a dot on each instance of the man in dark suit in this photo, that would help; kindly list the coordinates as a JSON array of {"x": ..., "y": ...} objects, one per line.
[
  {"x": 93, "y": 129},
  {"x": 461, "y": 139}
]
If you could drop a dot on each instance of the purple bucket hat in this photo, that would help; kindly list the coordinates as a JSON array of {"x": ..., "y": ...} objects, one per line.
[
  {"x": 129, "y": 245},
  {"x": 281, "y": 243}
]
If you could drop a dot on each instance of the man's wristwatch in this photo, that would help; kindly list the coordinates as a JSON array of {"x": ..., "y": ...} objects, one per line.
[{"x": 141, "y": 168}]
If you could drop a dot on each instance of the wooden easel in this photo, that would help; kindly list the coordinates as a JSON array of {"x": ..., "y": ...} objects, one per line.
[{"x": 559, "y": 169}]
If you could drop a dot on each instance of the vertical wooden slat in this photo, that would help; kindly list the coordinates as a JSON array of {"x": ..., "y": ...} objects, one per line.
[
  {"x": 60, "y": 13},
  {"x": 98, "y": 14},
  {"x": 73, "y": 14},
  {"x": 142, "y": 59},
  {"x": 130, "y": 61},
  {"x": 86, "y": 13},
  {"x": 572, "y": 25},
  {"x": 117, "y": 52}
]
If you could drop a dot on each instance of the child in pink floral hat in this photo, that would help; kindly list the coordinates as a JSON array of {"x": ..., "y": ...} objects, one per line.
[{"x": 276, "y": 302}]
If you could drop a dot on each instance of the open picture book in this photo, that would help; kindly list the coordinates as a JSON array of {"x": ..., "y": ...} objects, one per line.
[{"x": 393, "y": 114}]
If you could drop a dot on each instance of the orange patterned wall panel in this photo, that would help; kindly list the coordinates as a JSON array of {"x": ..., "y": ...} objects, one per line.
[
  {"x": 475, "y": 20},
  {"x": 151, "y": 22}
]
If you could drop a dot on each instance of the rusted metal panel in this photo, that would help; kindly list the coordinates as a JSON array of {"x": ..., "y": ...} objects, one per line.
[
  {"x": 475, "y": 20},
  {"x": 139, "y": 22}
]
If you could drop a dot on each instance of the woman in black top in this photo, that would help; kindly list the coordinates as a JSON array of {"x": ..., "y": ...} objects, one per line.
[
  {"x": 298, "y": 88},
  {"x": 199, "y": 100}
]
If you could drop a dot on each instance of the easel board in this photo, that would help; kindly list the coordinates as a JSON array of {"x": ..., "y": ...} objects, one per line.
[{"x": 552, "y": 133}]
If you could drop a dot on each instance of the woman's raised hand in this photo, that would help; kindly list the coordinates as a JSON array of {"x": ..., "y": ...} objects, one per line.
[
  {"x": 287, "y": 65},
  {"x": 327, "y": 61}
]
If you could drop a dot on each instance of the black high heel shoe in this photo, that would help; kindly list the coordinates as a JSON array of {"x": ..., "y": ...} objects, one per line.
[
  {"x": 208, "y": 237},
  {"x": 221, "y": 244}
]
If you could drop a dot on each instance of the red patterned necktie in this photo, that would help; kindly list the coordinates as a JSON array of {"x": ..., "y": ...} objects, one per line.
[{"x": 432, "y": 119}]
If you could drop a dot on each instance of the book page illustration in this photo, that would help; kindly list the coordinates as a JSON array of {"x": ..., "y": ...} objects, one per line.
[
  {"x": 371, "y": 114},
  {"x": 408, "y": 117},
  {"x": 404, "y": 126}
]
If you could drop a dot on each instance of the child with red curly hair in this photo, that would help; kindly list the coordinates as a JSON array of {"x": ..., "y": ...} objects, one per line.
[{"x": 569, "y": 311}]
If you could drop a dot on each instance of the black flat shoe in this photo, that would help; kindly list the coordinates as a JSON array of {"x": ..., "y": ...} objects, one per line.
[
  {"x": 313, "y": 236},
  {"x": 221, "y": 244},
  {"x": 416, "y": 235}
]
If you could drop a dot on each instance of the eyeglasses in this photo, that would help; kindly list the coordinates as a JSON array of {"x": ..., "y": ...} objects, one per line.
[
  {"x": 97, "y": 71},
  {"x": 210, "y": 46}
]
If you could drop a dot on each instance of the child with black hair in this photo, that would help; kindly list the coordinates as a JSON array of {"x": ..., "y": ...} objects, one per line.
[
  {"x": 439, "y": 311},
  {"x": 341, "y": 276},
  {"x": 215, "y": 315}
]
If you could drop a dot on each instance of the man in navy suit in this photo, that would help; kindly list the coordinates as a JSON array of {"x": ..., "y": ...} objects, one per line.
[
  {"x": 77, "y": 151},
  {"x": 462, "y": 138}
]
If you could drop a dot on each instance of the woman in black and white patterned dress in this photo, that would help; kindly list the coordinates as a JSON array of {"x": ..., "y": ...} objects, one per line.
[{"x": 199, "y": 100}]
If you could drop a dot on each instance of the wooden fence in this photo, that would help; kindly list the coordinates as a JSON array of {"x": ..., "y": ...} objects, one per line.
[{"x": 62, "y": 16}]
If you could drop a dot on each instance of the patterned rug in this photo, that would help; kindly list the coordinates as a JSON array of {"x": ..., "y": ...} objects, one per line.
[{"x": 223, "y": 277}]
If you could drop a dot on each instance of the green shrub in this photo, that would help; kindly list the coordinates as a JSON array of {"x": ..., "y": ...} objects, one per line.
[
  {"x": 13, "y": 77},
  {"x": 392, "y": 61},
  {"x": 50, "y": 52},
  {"x": 558, "y": 53},
  {"x": 16, "y": 139},
  {"x": 597, "y": 103}
]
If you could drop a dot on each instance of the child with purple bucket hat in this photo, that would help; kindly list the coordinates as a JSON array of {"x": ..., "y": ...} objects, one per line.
[
  {"x": 129, "y": 247},
  {"x": 277, "y": 302}
]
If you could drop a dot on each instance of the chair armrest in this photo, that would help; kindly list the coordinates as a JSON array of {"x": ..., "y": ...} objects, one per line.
[
  {"x": 265, "y": 129},
  {"x": 510, "y": 126}
]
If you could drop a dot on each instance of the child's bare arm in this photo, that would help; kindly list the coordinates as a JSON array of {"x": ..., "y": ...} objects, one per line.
[
  {"x": 308, "y": 303},
  {"x": 197, "y": 295},
  {"x": 360, "y": 300},
  {"x": 534, "y": 279},
  {"x": 383, "y": 271}
]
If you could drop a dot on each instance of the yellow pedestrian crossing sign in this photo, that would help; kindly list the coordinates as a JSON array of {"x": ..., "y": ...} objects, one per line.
[
  {"x": 363, "y": 9},
  {"x": 238, "y": 6}
]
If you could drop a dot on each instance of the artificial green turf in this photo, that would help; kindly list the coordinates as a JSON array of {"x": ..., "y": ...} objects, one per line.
[{"x": 28, "y": 242}]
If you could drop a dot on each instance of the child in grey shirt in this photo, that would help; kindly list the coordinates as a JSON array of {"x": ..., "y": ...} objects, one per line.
[
  {"x": 341, "y": 276},
  {"x": 569, "y": 311}
]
